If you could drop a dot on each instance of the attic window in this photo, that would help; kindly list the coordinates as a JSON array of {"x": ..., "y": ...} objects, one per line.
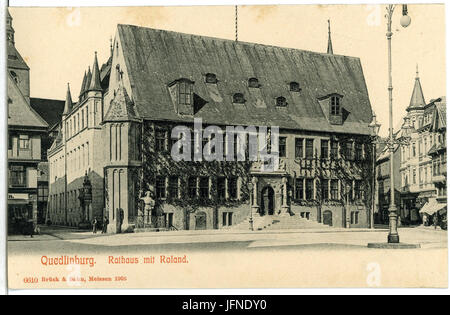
[
  {"x": 281, "y": 101},
  {"x": 210, "y": 78},
  {"x": 238, "y": 98},
  {"x": 294, "y": 87},
  {"x": 335, "y": 107},
  {"x": 185, "y": 93},
  {"x": 253, "y": 83}
]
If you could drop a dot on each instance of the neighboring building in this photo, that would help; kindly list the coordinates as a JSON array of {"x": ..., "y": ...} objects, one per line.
[
  {"x": 25, "y": 130},
  {"x": 51, "y": 110},
  {"x": 119, "y": 134},
  {"x": 416, "y": 164},
  {"x": 383, "y": 168},
  {"x": 438, "y": 154}
]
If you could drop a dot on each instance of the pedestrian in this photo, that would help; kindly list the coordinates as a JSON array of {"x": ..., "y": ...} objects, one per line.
[
  {"x": 435, "y": 221},
  {"x": 31, "y": 229},
  {"x": 94, "y": 226},
  {"x": 105, "y": 225}
]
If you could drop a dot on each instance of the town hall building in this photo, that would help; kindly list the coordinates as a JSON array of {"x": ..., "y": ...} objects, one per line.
[{"x": 117, "y": 136}]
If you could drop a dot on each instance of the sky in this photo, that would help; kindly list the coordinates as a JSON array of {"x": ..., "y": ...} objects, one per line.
[{"x": 58, "y": 44}]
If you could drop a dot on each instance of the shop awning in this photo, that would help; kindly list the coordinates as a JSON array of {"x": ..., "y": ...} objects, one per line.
[
  {"x": 18, "y": 201},
  {"x": 432, "y": 206}
]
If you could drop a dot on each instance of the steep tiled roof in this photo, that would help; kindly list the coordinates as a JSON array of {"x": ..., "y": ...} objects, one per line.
[
  {"x": 50, "y": 110},
  {"x": 20, "y": 113},
  {"x": 155, "y": 58}
]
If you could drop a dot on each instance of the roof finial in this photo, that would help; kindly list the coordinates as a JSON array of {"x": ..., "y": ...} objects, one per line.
[
  {"x": 330, "y": 45},
  {"x": 111, "y": 44},
  {"x": 236, "y": 21},
  {"x": 417, "y": 70}
]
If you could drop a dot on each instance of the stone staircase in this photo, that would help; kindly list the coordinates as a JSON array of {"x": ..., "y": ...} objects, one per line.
[
  {"x": 275, "y": 222},
  {"x": 287, "y": 222},
  {"x": 259, "y": 223}
]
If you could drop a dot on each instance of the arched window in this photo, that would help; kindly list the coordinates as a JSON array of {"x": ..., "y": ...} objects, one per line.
[
  {"x": 294, "y": 87},
  {"x": 210, "y": 78},
  {"x": 253, "y": 83},
  {"x": 238, "y": 98},
  {"x": 335, "y": 106},
  {"x": 281, "y": 101}
]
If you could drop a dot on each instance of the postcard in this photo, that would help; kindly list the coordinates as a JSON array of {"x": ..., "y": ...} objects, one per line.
[{"x": 227, "y": 146}]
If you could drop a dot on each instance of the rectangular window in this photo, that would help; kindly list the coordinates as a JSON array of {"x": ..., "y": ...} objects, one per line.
[
  {"x": 359, "y": 151},
  {"x": 160, "y": 140},
  {"x": 299, "y": 188},
  {"x": 221, "y": 192},
  {"x": 173, "y": 187},
  {"x": 298, "y": 148},
  {"x": 324, "y": 188},
  {"x": 334, "y": 185},
  {"x": 309, "y": 148},
  {"x": 160, "y": 187},
  {"x": 185, "y": 93},
  {"x": 324, "y": 149},
  {"x": 335, "y": 106},
  {"x": 334, "y": 149},
  {"x": 310, "y": 189},
  {"x": 204, "y": 187},
  {"x": 192, "y": 187},
  {"x": 24, "y": 142},
  {"x": 282, "y": 146},
  {"x": 82, "y": 119},
  {"x": 354, "y": 217},
  {"x": 359, "y": 192},
  {"x": 349, "y": 151},
  {"x": 232, "y": 188},
  {"x": 17, "y": 176}
]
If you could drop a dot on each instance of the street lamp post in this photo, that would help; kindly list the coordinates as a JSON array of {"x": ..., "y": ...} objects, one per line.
[
  {"x": 375, "y": 126},
  {"x": 393, "y": 236}
]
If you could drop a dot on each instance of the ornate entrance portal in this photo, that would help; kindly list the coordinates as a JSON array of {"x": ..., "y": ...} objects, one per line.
[{"x": 267, "y": 201}]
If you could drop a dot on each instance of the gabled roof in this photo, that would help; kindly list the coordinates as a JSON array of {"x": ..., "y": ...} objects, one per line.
[
  {"x": 154, "y": 58},
  {"x": 50, "y": 110},
  {"x": 121, "y": 108},
  {"x": 20, "y": 113},
  {"x": 417, "y": 99}
]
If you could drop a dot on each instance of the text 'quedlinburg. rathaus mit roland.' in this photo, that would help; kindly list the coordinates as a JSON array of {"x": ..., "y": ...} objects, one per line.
[{"x": 119, "y": 134}]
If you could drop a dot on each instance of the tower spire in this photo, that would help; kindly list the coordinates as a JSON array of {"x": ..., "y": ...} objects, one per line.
[
  {"x": 94, "y": 85},
  {"x": 417, "y": 98},
  {"x": 68, "y": 105},
  {"x": 9, "y": 28},
  {"x": 236, "y": 22},
  {"x": 330, "y": 45}
]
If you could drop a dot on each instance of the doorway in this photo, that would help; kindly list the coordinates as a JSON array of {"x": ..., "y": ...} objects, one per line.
[
  {"x": 328, "y": 218},
  {"x": 267, "y": 201},
  {"x": 200, "y": 221}
]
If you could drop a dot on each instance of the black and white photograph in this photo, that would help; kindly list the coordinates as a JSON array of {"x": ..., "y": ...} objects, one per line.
[{"x": 225, "y": 146}]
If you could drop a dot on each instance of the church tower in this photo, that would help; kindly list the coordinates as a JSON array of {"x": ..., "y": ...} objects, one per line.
[{"x": 17, "y": 67}]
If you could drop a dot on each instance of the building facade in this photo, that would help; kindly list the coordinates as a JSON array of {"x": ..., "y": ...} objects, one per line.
[
  {"x": 416, "y": 166},
  {"x": 318, "y": 101},
  {"x": 25, "y": 130}
]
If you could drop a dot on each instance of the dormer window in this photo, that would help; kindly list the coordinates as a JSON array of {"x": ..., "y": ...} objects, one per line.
[
  {"x": 185, "y": 93},
  {"x": 238, "y": 98},
  {"x": 335, "y": 106},
  {"x": 294, "y": 87},
  {"x": 253, "y": 83},
  {"x": 210, "y": 78},
  {"x": 281, "y": 101}
]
